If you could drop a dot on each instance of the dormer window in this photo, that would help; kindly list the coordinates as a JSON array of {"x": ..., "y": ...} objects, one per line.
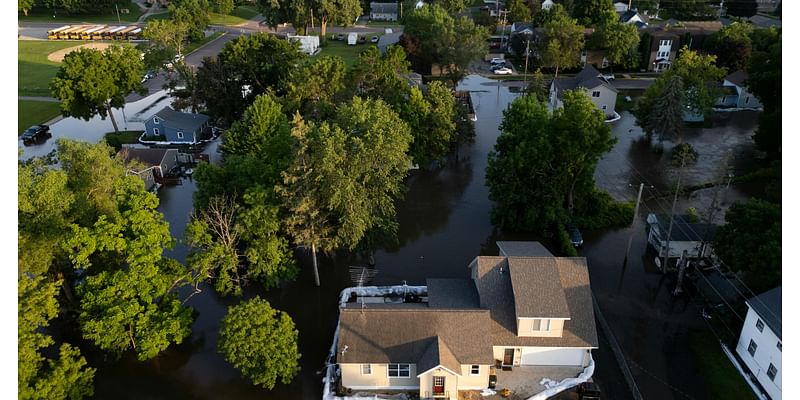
[
  {"x": 180, "y": 135},
  {"x": 156, "y": 120},
  {"x": 541, "y": 325}
]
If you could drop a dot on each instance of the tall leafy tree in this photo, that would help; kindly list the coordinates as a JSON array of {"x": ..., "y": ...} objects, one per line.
[
  {"x": 128, "y": 299},
  {"x": 563, "y": 43},
  {"x": 732, "y": 46},
  {"x": 764, "y": 80},
  {"x": 620, "y": 42},
  {"x": 166, "y": 38},
  {"x": 544, "y": 16},
  {"x": 46, "y": 377},
  {"x": 261, "y": 342},
  {"x": 453, "y": 6},
  {"x": 313, "y": 89},
  {"x": 686, "y": 10},
  {"x": 338, "y": 189},
  {"x": 193, "y": 14},
  {"x": 25, "y": 6},
  {"x": 594, "y": 12},
  {"x": 224, "y": 6},
  {"x": 432, "y": 139},
  {"x": 750, "y": 241},
  {"x": 541, "y": 169},
  {"x": 91, "y": 82},
  {"x": 263, "y": 131},
  {"x": 518, "y": 11},
  {"x": 667, "y": 115}
]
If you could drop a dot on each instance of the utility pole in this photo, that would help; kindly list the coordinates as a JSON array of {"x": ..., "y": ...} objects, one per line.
[
  {"x": 503, "y": 37},
  {"x": 681, "y": 272},
  {"x": 672, "y": 212},
  {"x": 635, "y": 215},
  {"x": 525, "y": 78},
  {"x": 118, "y": 18}
]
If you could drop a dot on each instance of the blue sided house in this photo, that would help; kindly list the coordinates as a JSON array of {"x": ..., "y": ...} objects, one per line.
[{"x": 177, "y": 127}]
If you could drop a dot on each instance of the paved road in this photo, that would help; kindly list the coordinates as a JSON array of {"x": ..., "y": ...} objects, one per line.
[{"x": 38, "y": 98}]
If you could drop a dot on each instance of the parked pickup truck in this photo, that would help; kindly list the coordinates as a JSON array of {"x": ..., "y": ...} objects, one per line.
[{"x": 35, "y": 134}]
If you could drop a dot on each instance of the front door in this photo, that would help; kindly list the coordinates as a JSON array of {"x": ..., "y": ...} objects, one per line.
[
  {"x": 508, "y": 357},
  {"x": 438, "y": 385}
]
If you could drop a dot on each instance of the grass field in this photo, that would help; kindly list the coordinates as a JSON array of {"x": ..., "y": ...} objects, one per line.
[
  {"x": 716, "y": 368},
  {"x": 348, "y": 53},
  {"x": 46, "y": 15},
  {"x": 35, "y": 112},
  {"x": 35, "y": 70},
  {"x": 116, "y": 140},
  {"x": 240, "y": 15}
]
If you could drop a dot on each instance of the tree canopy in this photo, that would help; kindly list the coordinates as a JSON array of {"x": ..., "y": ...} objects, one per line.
[
  {"x": 518, "y": 11},
  {"x": 764, "y": 80},
  {"x": 750, "y": 241},
  {"x": 731, "y": 45},
  {"x": 541, "y": 171},
  {"x": 563, "y": 42},
  {"x": 619, "y": 40},
  {"x": 261, "y": 342},
  {"x": 299, "y": 13},
  {"x": 594, "y": 12},
  {"x": 91, "y": 82}
]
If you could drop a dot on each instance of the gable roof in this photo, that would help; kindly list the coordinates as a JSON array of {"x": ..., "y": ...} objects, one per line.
[
  {"x": 537, "y": 289},
  {"x": 627, "y": 15},
  {"x": 683, "y": 229},
  {"x": 403, "y": 335},
  {"x": 495, "y": 293},
  {"x": 384, "y": 41},
  {"x": 521, "y": 26},
  {"x": 588, "y": 78},
  {"x": 438, "y": 354},
  {"x": 523, "y": 249},
  {"x": 148, "y": 157},
  {"x": 180, "y": 120},
  {"x": 737, "y": 78},
  {"x": 389, "y": 8},
  {"x": 452, "y": 293},
  {"x": 768, "y": 306}
]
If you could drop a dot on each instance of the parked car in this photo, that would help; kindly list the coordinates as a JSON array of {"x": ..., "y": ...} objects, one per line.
[
  {"x": 503, "y": 71},
  {"x": 36, "y": 133},
  {"x": 374, "y": 39},
  {"x": 609, "y": 77},
  {"x": 497, "y": 60},
  {"x": 574, "y": 235},
  {"x": 340, "y": 37},
  {"x": 362, "y": 39}
]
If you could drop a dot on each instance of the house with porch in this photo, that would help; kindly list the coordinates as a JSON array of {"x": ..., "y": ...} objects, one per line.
[
  {"x": 177, "y": 127},
  {"x": 590, "y": 80},
  {"x": 519, "y": 311},
  {"x": 382, "y": 11},
  {"x": 735, "y": 93},
  {"x": 760, "y": 345}
]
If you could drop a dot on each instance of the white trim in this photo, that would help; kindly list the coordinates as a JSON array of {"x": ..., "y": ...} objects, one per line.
[
  {"x": 439, "y": 366},
  {"x": 179, "y": 134},
  {"x": 398, "y": 370},
  {"x": 564, "y": 319},
  {"x": 384, "y": 387},
  {"x": 156, "y": 132},
  {"x": 472, "y": 373},
  {"x": 362, "y": 369}
]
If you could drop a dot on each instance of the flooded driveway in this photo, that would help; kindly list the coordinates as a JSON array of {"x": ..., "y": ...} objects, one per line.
[{"x": 444, "y": 224}]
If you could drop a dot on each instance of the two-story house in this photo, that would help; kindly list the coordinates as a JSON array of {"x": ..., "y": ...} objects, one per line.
[
  {"x": 602, "y": 93},
  {"x": 735, "y": 93},
  {"x": 667, "y": 38},
  {"x": 382, "y": 11},
  {"x": 177, "y": 127},
  {"x": 760, "y": 345},
  {"x": 522, "y": 308}
]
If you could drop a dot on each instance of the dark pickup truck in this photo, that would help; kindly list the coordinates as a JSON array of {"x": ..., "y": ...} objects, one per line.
[{"x": 35, "y": 134}]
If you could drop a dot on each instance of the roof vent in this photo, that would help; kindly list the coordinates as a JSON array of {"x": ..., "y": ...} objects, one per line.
[{"x": 501, "y": 270}]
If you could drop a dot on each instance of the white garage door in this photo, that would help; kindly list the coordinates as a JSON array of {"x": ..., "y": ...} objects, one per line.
[{"x": 549, "y": 356}]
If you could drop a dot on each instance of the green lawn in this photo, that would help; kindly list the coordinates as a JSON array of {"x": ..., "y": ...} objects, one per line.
[
  {"x": 35, "y": 112},
  {"x": 46, "y": 15},
  {"x": 196, "y": 45},
  {"x": 348, "y": 53},
  {"x": 245, "y": 12},
  {"x": 716, "y": 368},
  {"x": 35, "y": 70},
  {"x": 116, "y": 140},
  {"x": 240, "y": 15},
  {"x": 384, "y": 23}
]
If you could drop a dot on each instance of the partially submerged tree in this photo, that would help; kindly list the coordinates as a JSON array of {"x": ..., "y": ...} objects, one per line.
[
  {"x": 261, "y": 342},
  {"x": 562, "y": 44},
  {"x": 91, "y": 82}
]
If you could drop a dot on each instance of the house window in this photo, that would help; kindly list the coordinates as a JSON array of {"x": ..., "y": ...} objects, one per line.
[
  {"x": 771, "y": 372},
  {"x": 666, "y": 42},
  {"x": 366, "y": 369},
  {"x": 752, "y": 348},
  {"x": 156, "y": 132},
  {"x": 596, "y": 93},
  {"x": 156, "y": 120},
  {"x": 541, "y": 325},
  {"x": 760, "y": 325},
  {"x": 180, "y": 135},
  {"x": 475, "y": 370},
  {"x": 399, "y": 370},
  {"x": 779, "y": 346},
  {"x": 747, "y": 100},
  {"x": 438, "y": 385}
]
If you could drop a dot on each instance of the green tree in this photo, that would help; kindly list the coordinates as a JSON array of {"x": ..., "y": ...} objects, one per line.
[
  {"x": 541, "y": 170},
  {"x": 686, "y": 10},
  {"x": 563, "y": 43},
  {"x": 666, "y": 117},
  {"x": 193, "y": 14},
  {"x": 541, "y": 18},
  {"x": 25, "y": 6},
  {"x": 432, "y": 139},
  {"x": 91, "y": 82},
  {"x": 313, "y": 90},
  {"x": 378, "y": 75},
  {"x": 594, "y": 12},
  {"x": 648, "y": 7},
  {"x": 91, "y": 172},
  {"x": 261, "y": 342},
  {"x": 453, "y": 6},
  {"x": 620, "y": 42},
  {"x": 518, "y": 11},
  {"x": 750, "y": 241},
  {"x": 262, "y": 132},
  {"x": 224, "y": 6},
  {"x": 732, "y": 46},
  {"x": 128, "y": 300},
  {"x": 764, "y": 80},
  {"x": 338, "y": 189},
  {"x": 166, "y": 39},
  {"x": 40, "y": 377}
]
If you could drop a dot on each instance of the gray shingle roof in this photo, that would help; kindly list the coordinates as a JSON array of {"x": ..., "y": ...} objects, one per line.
[
  {"x": 403, "y": 335},
  {"x": 452, "y": 293},
  {"x": 523, "y": 249},
  {"x": 737, "y": 78},
  {"x": 383, "y": 8},
  {"x": 496, "y": 294},
  {"x": 180, "y": 120},
  {"x": 768, "y": 306},
  {"x": 587, "y": 79},
  {"x": 537, "y": 288},
  {"x": 149, "y": 157},
  {"x": 438, "y": 354}
]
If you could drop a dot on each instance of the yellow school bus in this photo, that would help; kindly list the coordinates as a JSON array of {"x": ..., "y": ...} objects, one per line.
[
  {"x": 88, "y": 33},
  {"x": 53, "y": 33}
]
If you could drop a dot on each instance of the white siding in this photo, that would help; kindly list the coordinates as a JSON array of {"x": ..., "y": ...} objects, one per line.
[
  {"x": 767, "y": 353},
  {"x": 379, "y": 379},
  {"x": 553, "y": 356}
]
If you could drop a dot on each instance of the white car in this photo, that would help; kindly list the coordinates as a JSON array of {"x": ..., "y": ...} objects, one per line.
[
  {"x": 503, "y": 71},
  {"x": 374, "y": 39},
  {"x": 609, "y": 77},
  {"x": 497, "y": 61}
]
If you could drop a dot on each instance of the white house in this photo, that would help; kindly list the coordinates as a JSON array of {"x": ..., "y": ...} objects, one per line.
[
  {"x": 760, "y": 345},
  {"x": 735, "y": 93},
  {"x": 523, "y": 308},
  {"x": 602, "y": 93},
  {"x": 547, "y": 4},
  {"x": 620, "y": 7},
  {"x": 383, "y": 11}
]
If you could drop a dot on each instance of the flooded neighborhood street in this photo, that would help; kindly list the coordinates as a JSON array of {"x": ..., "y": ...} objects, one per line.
[{"x": 443, "y": 225}]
